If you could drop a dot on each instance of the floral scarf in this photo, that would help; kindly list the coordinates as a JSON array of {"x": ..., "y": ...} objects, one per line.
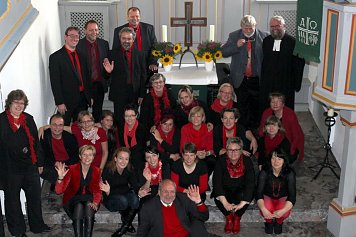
[
  {"x": 22, "y": 122},
  {"x": 131, "y": 134},
  {"x": 157, "y": 104},
  {"x": 235, "y": 170},
  {"x": 217, "y": 107},
  {"x": 156, "y": 173}
]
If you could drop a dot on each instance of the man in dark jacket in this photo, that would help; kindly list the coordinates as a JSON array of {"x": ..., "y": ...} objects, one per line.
[{"x": 58, "y": 146}]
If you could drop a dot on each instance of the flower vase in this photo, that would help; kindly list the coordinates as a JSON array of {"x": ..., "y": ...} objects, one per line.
[
  {"x": 167, "y": 68},
  {"x": 209, "y": 66}
]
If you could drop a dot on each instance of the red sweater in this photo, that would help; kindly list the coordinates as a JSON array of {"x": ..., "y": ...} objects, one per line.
[
  {"x": 201, "y": 138},
  {"x": 171, "y": 224}
]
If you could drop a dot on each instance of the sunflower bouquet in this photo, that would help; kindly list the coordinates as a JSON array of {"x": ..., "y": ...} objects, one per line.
[
  {"x": 166, "y": 52},
  {"x": 209, "y": 50}
]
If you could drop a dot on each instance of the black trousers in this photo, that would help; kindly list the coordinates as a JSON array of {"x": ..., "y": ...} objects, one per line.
[
  {"x": 126, "y": 97},
  {"x": 98, "y": 100},
  {"x": 232, "y": 197},
  {"x": 30, "y": 183},
  {"x": 248, "y": 102},
  {"x": 72, "y": 113}
]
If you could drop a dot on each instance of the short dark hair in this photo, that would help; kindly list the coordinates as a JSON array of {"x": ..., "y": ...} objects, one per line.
[
  {"x": 72, "y": 28},
  {"x": 16, "y": 95},
  {"x": 189, "y": 148},
  {"x": 133, "y": 9},
  {"x": 152, "y": 150},
  {"x": 232, "y": 110},
  {"x": 132, "y": 107},
  {"x": 90, "y": 22},
  {"x": 55, "y": 116}
]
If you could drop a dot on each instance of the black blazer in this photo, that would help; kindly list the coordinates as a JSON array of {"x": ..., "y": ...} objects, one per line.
[
  {"x": 70, "y": 145},
  {"x": 148, "y": 40},
  {"x": 65, "y": 82},
  {"x": 121, "y": 72},
  {"x": 151, "y": 224},
  {"x": 103, "y": 47}
]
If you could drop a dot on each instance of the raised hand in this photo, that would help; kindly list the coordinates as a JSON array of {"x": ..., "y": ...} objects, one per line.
[
  {"x": 193, "y": 193},
  {"x": 147, "y": 174},
  {"x": 105, "y": 187},
  {"x": 109, "y": 67},
  {"x": 62, "y": 170}
]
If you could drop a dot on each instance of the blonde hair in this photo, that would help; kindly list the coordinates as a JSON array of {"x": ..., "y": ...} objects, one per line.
[
  {"x": 233, "y": 95},
  {"x": 195, "y": 110},
  {"x": 84, "y": 148}
]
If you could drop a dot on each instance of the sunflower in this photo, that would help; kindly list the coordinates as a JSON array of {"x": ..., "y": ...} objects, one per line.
[
  {"x": 166, "y": 60},
  {"x": 177, "y": 48},
  {"x": 156, "y": 53},
  {"x": 218, "y": 55},
  {"x": 207, "y": 56},
  {"x": 197, "y": 57}
]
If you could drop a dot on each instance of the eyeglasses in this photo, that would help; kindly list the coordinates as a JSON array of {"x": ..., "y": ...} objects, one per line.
[
  {"x": 87, "y": 122},
  {"x": 233, "y": 150},
  {"x": 73, "y": 36},
  {"x": 18, "y": 102},
  {"x": 158, "y": 82}
]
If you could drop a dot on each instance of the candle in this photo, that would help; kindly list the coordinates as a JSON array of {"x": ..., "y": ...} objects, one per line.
[
  {"x": 164, "y": 33},
  {"x": 331, "y": 113},
  {"x": 212, "y": 33}
]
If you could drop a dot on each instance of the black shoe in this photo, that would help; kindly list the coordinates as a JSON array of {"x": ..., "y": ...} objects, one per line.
[
  {"x": 45, "y": 228},
  {"x": 269, "y": 227},
  {"x": 277, "y": 228}
]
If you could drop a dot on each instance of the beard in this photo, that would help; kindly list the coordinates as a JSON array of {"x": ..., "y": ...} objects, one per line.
[
  {"x": 126, "y": 45},
  {"x": 277, "y": 34}
]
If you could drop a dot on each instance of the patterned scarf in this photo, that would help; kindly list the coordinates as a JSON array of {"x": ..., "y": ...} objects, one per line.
[
  {"x": 156, "y": 173},
  {"x": 235, "y": 170},
  {"x": 157, "y": 104},
  {"x": 22, "y": 122}
]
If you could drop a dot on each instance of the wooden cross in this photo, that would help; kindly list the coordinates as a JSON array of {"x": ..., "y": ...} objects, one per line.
[{"x": 188, "y": 22}]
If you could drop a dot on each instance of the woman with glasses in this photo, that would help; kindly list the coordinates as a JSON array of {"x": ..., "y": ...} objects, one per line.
[
  {"x": 233, "y": 184},
  {"x": 133, "y": 135},
  {"x": 156, "y": 102},
  {"x": 231, "y": 128},
  {"x": 21, "y": 165},
  {"x": 225, "y": 98}
]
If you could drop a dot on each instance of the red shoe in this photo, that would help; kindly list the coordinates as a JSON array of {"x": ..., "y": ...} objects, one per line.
[
  {"x": 228, "y": 224},
  {"x": 236, "y": 224}
]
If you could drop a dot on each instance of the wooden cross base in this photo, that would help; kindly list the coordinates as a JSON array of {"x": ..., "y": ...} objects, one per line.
[{"x": 188, "y": 50}]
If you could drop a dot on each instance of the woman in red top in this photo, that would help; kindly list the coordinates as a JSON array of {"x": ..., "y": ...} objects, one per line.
[
  {"x": 82, "y": 194},
  {"x": 197, "y": 132}
]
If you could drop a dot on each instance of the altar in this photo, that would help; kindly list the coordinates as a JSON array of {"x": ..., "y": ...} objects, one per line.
[{"x": 198, "y": 78}]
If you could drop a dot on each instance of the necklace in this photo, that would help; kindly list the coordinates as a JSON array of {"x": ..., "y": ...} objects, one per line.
[{"x": 274, "y": 193}]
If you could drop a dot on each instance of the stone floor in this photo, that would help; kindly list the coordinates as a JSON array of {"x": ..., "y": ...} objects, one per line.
[{"x": 308, "y": 217}]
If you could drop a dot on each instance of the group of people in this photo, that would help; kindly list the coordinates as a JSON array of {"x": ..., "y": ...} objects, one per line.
[{"x": 157, "y": 162}]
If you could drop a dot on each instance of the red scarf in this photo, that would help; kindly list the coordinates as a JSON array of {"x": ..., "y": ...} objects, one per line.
[
  {"x": 198, "y": 136},
  {"x": 235, "y": 170},
  {"x": 22, "y": 122},
  {"x": 186, "y": 109},
  {"x": 131, "y": 134},
  {"x": 156, "y": 173},
  {"x": 217, "y": 107},
  {"x": 157, "y": 104},
  {"x": 272, "y": 143},
  {"x": 225, "y": 130},
  {"x": 167, "y": 138},
  {"x": 138, "y": 38}
]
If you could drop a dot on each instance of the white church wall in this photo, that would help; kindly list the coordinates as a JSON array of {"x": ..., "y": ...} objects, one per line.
[{"x": 27, "y": 68}]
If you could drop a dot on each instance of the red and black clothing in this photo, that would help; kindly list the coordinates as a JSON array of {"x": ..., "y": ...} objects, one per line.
[
  {"x": 276, "y": 191},
  {"x": 234, "y": 189},
  {"x": 181, "y": 112},
  {"x": 198, "y": 177},
  {"x": 294, "y": 132}
]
